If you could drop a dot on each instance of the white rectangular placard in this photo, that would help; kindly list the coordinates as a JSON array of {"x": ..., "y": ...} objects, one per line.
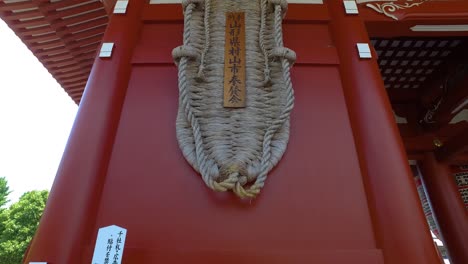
[{"x": 109, "y": 245}]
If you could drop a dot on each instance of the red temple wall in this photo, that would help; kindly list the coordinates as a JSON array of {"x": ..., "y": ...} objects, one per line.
[
  {"x": 335, "y": 197},
  {"x": 314, "y": 199}
]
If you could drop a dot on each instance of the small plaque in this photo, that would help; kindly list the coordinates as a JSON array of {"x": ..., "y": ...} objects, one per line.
[
  {"x": 234, "y": 60},
  {"x": 109, "y": 245}
]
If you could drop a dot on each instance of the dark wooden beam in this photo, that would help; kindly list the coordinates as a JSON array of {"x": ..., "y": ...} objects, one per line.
[
  {"x": 461, "y": 159},
  {"x": 417, "y": 145},
  {"x": 403, "y": 96},
  {"x": 454, "y": 146},
  {"x": 454, "y": 76},
  {"x": 453, "y": 100}
]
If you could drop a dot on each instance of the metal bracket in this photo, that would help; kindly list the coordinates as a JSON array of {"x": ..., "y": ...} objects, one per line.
[
  {"x": 106, "y": 50},
  {"x": 350, "y": 7},
  {"x": 364, "y": 50},
  {"x": 120, "y": 7}
]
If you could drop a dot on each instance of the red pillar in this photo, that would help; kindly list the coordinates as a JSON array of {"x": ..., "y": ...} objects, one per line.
[
  {"x": 67, "y": 225},
  {"x": 448, "y": 207},
  {"x": 109, "y": 5},
  {"x": 400, "y": 228}
]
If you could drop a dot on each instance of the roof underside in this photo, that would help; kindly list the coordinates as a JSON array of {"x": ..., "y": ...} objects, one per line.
[
  {"x": 63, "y": 34},
  {"x": 408, "y": 63}
]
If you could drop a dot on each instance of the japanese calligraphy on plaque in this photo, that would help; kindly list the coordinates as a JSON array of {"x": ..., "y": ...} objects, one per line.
[
  {"x": 234, "y": 60},
  {"x": 109, "y": 245}
]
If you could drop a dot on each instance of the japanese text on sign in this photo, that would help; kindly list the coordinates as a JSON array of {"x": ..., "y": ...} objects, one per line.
[
  {"x": 109, "y": 245},
  {"x": 234, "y": 60}
]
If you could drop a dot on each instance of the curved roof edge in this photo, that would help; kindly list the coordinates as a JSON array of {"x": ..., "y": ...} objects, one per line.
[{"x": 63, "y": 34}]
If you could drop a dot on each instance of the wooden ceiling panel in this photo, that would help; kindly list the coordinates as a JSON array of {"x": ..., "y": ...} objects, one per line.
[{"x": 407, "y": 63}]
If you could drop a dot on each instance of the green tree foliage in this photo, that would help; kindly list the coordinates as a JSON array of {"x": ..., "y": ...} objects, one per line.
[
  {"x": 18, "y": 225},
  {"x": 4, "y": 192}
]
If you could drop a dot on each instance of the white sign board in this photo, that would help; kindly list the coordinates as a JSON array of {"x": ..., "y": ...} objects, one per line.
[{"x": 109, "y": 245}]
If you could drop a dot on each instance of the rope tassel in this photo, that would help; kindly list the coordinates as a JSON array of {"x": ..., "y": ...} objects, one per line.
[{"x": 234, "y": 149}]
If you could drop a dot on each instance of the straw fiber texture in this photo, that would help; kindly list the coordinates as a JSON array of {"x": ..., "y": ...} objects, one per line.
[{"x": 234, "y": 148}]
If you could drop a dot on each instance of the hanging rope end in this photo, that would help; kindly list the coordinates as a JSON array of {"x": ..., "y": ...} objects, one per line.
[{"x": 201, "y": 73}]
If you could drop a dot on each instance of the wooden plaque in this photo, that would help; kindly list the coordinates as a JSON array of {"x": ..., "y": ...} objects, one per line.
[{"x": 234, "y": 60}]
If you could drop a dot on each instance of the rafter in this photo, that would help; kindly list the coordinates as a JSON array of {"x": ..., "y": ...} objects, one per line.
[{"x": 445, "y": 92}]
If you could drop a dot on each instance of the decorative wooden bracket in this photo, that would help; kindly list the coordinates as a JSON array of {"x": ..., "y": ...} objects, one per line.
[{"x": 389, "y": 7}]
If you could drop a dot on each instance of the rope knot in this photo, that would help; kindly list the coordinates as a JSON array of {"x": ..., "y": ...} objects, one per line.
[
  {"x": 230, "y": 178},
  {"x": 242, "y": 180},
  {"x": 234, "y": 171},
  {"x": 284, "y": 53},
  {"x": 243, "y": 193},
  {"x": 184, "y": 51}
]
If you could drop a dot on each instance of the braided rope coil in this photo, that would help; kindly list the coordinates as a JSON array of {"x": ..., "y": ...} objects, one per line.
[{"x": 233, "y": 149}]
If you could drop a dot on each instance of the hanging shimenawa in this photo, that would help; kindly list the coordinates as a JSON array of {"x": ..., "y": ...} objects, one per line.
[{"x": 235, "y": 91}]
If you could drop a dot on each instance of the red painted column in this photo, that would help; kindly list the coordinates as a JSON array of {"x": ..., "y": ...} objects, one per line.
[
  {"x": 109, "y": 5},
  {"x": 401, "y": 230},
  {"x": 66, "y": 227},
  {"x": 448, "y": 207}
]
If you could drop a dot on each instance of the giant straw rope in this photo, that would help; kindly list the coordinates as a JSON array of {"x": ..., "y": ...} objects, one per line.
[{"x": 234, "y": 148}]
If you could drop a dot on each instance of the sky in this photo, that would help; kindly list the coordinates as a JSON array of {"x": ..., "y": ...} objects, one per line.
[{"x": 36, "y": 116}]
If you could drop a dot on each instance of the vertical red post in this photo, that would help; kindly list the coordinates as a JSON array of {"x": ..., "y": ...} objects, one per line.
[
  {"x": 400, "y": 227},
  {"x": 448, "y": 207},
  {"x": 109, "y": 5},
  {"x": 67, "y": 224}
]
